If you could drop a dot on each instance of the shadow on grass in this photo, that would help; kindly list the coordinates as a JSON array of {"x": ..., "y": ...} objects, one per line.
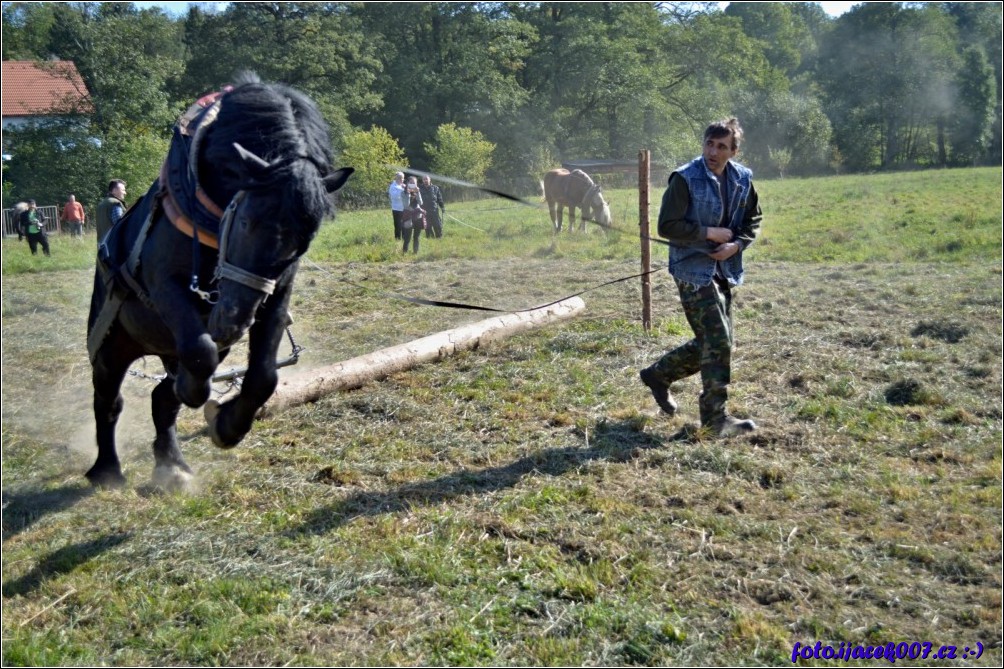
[
  {"x": 612, "y": 441},
  {"x": 62, "y": 561},
  {"x": 23, "y": 509}
]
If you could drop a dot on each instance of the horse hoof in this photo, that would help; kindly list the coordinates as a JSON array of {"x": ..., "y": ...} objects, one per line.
[
  {"x": 105, "y": 478},
  {"x": 211, "y": 411},
  {"x": 172, "y": 478}
]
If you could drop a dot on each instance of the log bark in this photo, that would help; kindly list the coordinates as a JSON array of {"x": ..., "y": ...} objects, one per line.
[{"x": 312, "y": 385}]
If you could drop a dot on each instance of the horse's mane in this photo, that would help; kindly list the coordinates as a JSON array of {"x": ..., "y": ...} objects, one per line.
[{"x": 278, "y": 124}]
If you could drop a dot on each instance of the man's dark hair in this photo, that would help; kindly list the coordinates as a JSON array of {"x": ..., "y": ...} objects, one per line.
[
  {"x": 725, "y": 128},
  {"x": 115, "y": 182}
]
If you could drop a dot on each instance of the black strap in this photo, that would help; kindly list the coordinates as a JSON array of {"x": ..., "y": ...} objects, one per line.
[{"x": 476, "y": 307}]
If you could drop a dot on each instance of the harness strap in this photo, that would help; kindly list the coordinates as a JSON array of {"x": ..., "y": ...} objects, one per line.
[
  {"x": 226, "y": 270},
  {"x": 178, "y": 218},
  {"x": 115, "y": 296}
]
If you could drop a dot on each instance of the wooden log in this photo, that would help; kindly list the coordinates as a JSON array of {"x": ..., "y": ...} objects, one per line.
[{"x": 312, "y": 385}]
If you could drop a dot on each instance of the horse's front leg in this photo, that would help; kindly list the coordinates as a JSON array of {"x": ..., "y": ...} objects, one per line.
[
  {"x": 196, "y": 351},
  {"x": 571, "y": 219},
  {"x": 231, "y": 421}
]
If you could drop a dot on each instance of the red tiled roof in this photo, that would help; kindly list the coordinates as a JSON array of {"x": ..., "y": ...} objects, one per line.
[{"x": 39, "y": 88}]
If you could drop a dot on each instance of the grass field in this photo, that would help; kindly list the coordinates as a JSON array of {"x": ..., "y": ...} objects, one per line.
[{"x": 525, "y": 503}]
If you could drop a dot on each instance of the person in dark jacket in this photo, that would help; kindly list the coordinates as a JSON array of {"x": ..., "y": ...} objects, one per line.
[
  {"x": 711, "y": 214},
  {"x": 432, "y": 197},
  {"x": 31, "y": 223},
  {"x": 111, "y": 209},
  {"x": 413, "y": 216}
]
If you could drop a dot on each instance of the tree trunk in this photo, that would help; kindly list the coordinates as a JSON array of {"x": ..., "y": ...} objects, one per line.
[{"x": 316, "y": 383}]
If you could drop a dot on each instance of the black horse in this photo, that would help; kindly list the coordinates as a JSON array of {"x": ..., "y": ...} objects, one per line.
[{"x": 198, "y": 276}]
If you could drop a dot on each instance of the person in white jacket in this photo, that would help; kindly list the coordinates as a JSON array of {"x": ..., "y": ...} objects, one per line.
[{"x": 396, "y": 193}]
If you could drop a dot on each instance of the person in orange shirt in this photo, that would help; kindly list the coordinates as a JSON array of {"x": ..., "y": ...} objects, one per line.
[{"x": 73, "y": 216}]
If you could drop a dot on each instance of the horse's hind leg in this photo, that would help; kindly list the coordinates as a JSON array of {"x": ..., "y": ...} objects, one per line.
[
  {"x": 108, "y": 371},
  {"x": 170, "y": 472}
]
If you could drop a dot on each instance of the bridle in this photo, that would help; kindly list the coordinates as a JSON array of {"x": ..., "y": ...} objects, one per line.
[
  {"x": 224, "y": 268},
  {"x": 227, "y": 270}
]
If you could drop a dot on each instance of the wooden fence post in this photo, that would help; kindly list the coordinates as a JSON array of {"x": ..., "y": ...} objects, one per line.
[{"x": 646, "y": 247}]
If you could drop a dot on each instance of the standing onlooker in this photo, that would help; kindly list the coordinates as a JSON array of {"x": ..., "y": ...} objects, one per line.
[
  {"x": 32, "y": 223},
  {"x": 73, "y": 217},
  {"x": 413, "y": 217},
  {"x": 711, "y": 214},
  {"x": 397, "y": 201},
  {"x": 111, "y": 209},
  {"x": 432, "y": 196}
]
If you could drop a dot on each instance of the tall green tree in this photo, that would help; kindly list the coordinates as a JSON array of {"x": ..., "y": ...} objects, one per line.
[
  {"x": 375, "y": 155},
  {"x": 971, "y": 125},
  {"x": 126, "y": 58},
  {"x": 461, "y": 153},
  {"x": 887, "y": 73},
  {"x": 446, "y": 63},
  {"x": 980, "y": 25},
  {"x": 782, "y": 32},
  {"x": 318, "y": 48}
]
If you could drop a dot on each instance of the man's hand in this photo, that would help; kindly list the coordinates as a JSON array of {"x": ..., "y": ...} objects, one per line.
[
  {"x": 718, "y": 235},
  {"x": 725, "y": 251}
]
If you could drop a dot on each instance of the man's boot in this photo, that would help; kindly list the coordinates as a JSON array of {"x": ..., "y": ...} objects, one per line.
[
  {"x": 715, "y": 418},
  {"x": 729, "y": 426},
  {"x": 660, "y": 390}
]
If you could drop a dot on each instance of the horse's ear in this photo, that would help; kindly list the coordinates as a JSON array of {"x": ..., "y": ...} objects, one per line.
[
  {"x": 253, "y": 162},
  {"x": 337, "y": 179}
]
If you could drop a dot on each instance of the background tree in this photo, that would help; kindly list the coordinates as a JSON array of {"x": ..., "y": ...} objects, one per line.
[
  {"x": 48, "y": 161},
  {"x": 374, "y": 154},
  {"x": 461, "y": 153},
  {"x": 316, "y": 47},
  {"x": 446, "y": 63},
  {"x": 886, "y": 71},
  {"x": 886, "y": 85}
]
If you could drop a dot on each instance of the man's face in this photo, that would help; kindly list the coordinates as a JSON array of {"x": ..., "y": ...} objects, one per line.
[
  {"x": 426, "y": 181},
  {"x": 717, "y": 152},
  {"x": 119, "y": 191},
  {"x": 399, "y": 178}
]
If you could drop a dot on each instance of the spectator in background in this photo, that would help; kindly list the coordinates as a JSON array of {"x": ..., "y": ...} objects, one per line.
[
  {"x": 397, "y": 201},
  {"x": 413, "y": 216},
  {"x": 432, "y": 198},
  {"x": 73, "y": 217},
  {"x": 31, "y": 223},
  {"x": 112, "y": 208}
]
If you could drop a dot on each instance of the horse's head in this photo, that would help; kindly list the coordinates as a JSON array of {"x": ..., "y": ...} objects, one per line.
[
  {"x": 599, "y": 210},
  {"x": 270, "y": 154}
]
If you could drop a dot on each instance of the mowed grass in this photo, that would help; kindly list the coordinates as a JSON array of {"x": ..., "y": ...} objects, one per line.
[{"x": 524, "y": 503}]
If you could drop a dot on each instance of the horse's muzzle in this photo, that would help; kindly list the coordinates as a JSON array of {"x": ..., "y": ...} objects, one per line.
[{"x": 228, "y": 323}]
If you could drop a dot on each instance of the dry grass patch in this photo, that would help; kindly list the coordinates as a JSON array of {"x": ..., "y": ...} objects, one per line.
[{"x": 525, "y": 503}]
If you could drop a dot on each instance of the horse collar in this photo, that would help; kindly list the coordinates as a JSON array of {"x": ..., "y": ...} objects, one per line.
[{"x": 197, "y": 217}]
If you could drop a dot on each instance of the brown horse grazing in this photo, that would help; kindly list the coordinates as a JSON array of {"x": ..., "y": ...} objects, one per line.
[{"x": 574, "y": 189}]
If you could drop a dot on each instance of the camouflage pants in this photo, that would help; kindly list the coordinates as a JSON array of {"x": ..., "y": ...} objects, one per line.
[{"x": 709, "y": 311}]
